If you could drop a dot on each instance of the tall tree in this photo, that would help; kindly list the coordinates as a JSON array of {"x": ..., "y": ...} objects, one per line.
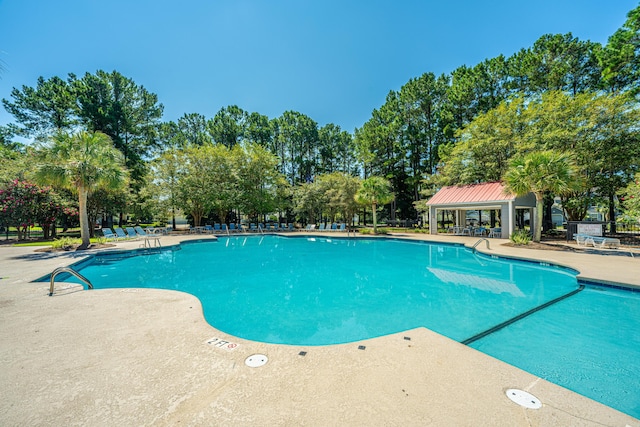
[
  {"x": 193, "y": 130},
  {"x": 308, "y": 201},
  {"x": 83, "y": 162},
  {"x": 195, "y": 186},
  {"x": 42, "y": 111},
  {"x": 374, "y": 191},
  {"x": 378, "y": 140},
  {"x": 336, "y": 150},
  {"x": 115, "y": 105},
  {"x": 258, "y": 178},
  {"x": 420, "y": 105},
  {"x": 259, "y": 130},
  {"x": 620, "y": 58},
  {"x": 13, "y": 157},
  {"x": 296, "y": 141},
  {"x": 597, "y": 129},
  {"x": 228, "y": 125},
  {"x": 223, "y": 175},
  {"x": 166, "y": 166},
  {"x": 486, "y": 145},
  {"x": 338, "y": 193},
  {"x": 462, "y": 105},
  {"x": 563, "y": 63},
  {"x": 492, "y": 82},
  {"x": 541, "y": 172}
]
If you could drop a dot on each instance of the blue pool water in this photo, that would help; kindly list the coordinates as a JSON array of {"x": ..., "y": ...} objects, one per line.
[{"x": 316, "y": 291}]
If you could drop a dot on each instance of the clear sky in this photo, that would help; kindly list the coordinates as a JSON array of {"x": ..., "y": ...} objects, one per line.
[{"x": 334, "y": 61}]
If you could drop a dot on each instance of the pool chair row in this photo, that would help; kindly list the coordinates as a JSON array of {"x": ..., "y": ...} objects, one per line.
[
  {"x": 239, "y": 228},
  {"x": 328, "y": 227},
  {"x": 128, "y": 233},
  {"x": 218, "y": 229},
  {"x": 270, "y": 227}
]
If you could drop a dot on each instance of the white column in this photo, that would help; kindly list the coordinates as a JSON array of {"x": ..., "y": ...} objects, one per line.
[
  {"x": 506, "y": 220},
  {"x": 433, "y": 220}
]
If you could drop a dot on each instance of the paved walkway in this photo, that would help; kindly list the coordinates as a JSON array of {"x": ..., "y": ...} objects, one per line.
[{"x": 134, "y": 357}]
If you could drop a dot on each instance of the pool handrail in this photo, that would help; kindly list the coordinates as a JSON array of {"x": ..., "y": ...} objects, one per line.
[
  {"x": 71, "y": 271},
  {"x": 473, "y": 248}
]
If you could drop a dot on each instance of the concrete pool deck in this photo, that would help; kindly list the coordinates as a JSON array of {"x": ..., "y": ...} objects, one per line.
[{"x": 145, "y": 357}]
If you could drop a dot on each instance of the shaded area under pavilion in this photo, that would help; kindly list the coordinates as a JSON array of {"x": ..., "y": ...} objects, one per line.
[{"x": 504, "y": 208}]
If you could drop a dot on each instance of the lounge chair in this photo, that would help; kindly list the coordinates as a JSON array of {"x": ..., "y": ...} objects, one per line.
[
  {"x": 334, "y": 227},
  {"x": 120, "y": 233},
  {"x": 241, "y": 228},
  {"x": 596, "y": 241},
  {"x": 224, "y": 228},
  {"x": 208, "y": 229},
  {"x": 261, "y": 226},
  {"x": 253, "y": 228},
  {"x": 132, "y": 233},
  {"x": 108, "y": 234},
  {"x": 283, "y": 227},
  {"x": 232, "y": 228},
  {"x": 291, "y": 228},
  {"x": 148, "y": 237},
  {"x": 342, "y": 227},
  {"x": 216, "y": 228},
  {"x": 140, "y": 231},
  {"x": 321, "y": 228}
]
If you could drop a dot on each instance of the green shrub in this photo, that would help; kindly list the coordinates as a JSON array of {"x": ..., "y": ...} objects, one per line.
[
  {"x": 65, "y": 243},
  {"x": 421, "y": 230},
  {"x": 520, "y": 237}
]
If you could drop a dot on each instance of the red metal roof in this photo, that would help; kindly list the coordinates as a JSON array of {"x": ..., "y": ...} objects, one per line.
[{"x": 473, "y": 193}]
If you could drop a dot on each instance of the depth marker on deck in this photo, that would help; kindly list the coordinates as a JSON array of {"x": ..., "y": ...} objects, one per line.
[{"x": 223, "y": 344}]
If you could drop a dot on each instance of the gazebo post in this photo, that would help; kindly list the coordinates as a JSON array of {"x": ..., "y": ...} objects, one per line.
[{"x": 433, "y": 220}]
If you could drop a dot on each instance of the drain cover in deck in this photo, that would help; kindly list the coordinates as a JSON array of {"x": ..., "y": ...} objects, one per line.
[
  {"x": 256, "y": 360},
  {"x": 523, "y": 398}
]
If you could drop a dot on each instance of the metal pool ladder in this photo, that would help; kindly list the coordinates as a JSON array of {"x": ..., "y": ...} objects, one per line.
[
  {"x": 71, "y": 271},
  {"x": 473, "y": 248}
]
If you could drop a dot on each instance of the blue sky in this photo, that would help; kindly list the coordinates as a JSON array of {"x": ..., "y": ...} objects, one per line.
[{"x": 334, "y": 61}]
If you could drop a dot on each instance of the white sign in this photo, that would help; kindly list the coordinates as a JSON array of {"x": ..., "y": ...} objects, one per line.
[{"x": 590, "y": 229}]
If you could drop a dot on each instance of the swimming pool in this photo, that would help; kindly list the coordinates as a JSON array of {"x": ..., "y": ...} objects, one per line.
[{"x": 317, "y": 291}]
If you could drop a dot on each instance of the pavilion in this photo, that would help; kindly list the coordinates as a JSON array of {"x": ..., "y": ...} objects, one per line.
[{"x": 490, "y": 196}]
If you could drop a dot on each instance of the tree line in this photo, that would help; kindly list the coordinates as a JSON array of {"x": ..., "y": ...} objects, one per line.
[
  {"x": 430, "y": 131},
  {"x": 562, "y": 93}
]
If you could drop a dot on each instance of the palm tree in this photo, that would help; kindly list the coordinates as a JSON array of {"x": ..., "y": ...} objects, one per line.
[
  {"x": 83, "y": 162},
  {"x": 540, "y": 172},
  {"x": 374, "y": 191}
]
